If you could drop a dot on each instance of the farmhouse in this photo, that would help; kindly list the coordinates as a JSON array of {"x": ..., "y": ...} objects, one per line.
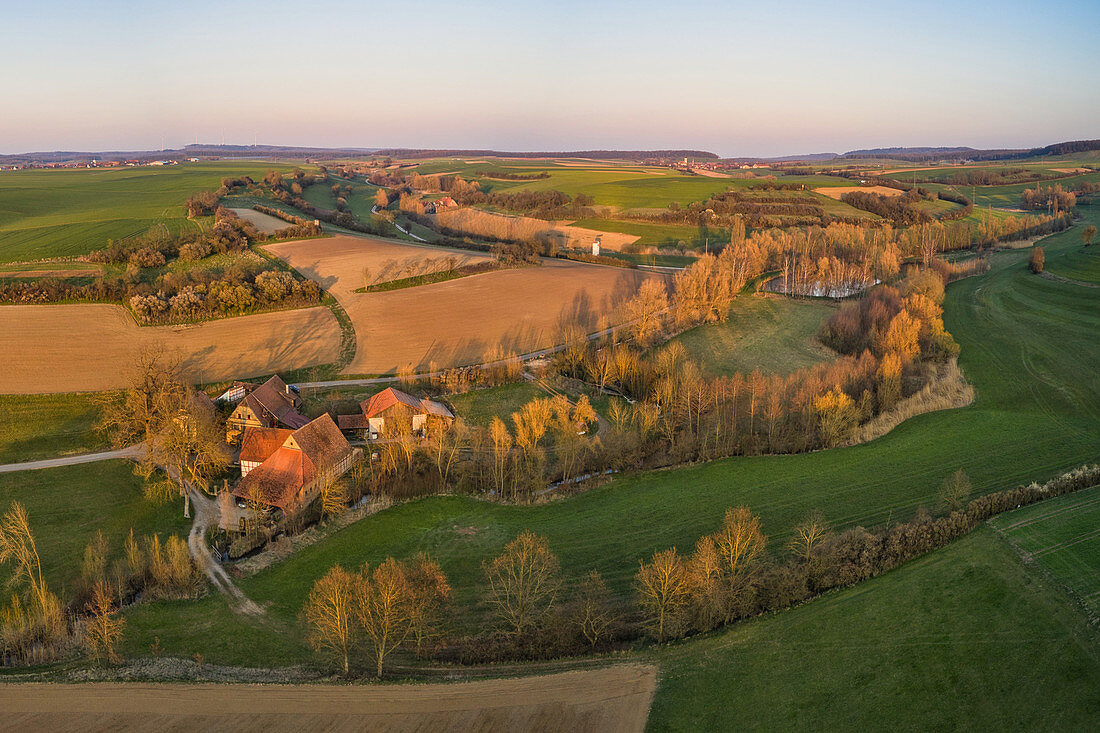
[
  {"x": 273, "y": 404},
  {"x": 294, "y": 473},
  {"x": 257, "y": 445},
  {"x": 397, "y": 407}
]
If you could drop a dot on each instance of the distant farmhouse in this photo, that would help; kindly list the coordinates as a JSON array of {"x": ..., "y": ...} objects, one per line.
[
  {"x": 273, "y": 404},
  {"x": 393, "y": 404},
  {"x": 288, "y": 469}
]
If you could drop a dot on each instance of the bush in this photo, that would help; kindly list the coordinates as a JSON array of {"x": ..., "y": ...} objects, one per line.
[{"x": 1037, "y": 260}]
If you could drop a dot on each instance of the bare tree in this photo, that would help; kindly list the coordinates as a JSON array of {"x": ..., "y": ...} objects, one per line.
[
  {"x": 808, "y": 534},
  {"x": 329, "y": 614},
  {"x": 523, "y": 582},
  {"x": 383, "y": 600},
  {"x": 102, "y": 627},
  {"x": 955, "y": 490},
  {"x": 663, "y": 591}
]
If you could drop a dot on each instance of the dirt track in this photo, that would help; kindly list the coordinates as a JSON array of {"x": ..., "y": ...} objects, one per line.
[
  {"x": 76, "y": 348},
  {"x": 460, "y": 321},
  {"x": 611, "y": 699}
]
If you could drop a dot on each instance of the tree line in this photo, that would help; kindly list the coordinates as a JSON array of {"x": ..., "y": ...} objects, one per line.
[{"x": 532, "y": 610}]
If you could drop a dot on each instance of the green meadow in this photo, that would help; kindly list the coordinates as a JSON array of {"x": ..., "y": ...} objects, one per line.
[
  {"x": 772, "y": 334},
  {"x": 69, "y": 212},
  {"x": 1063, "y": 537},
  {"x": 964, "y": 638},
  {"x": 67, "y": 506}
]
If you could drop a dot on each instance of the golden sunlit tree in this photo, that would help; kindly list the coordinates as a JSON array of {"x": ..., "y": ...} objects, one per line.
[
  {"x": 429, "y": 592},
  {"x": 329, "y": 614},
  {"x": 383, "y": 600},
  {"x": 663, "y": 592},
  {"x": 102, "y": 626}
]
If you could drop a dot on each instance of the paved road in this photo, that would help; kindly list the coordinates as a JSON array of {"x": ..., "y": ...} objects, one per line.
[{"x": 132, "y": 451}]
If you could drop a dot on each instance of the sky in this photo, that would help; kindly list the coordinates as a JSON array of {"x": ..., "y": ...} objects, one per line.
[{"x": 738, "y": 79}]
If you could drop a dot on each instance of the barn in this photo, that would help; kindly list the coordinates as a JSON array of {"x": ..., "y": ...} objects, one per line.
[
  {"x": 394, "y": 405},
  {"x": 271, "y": 405},
  {"x": 293, "y": 475}
]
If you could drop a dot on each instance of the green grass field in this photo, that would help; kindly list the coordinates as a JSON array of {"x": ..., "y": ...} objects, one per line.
[
  {"x": 47, "y": 426},
  {"x": 1028, "y": 345},
  {"x": 776, "y": 335},
  {"x": 1066, "y": 254},
  {"x": 1063, "y": 536},
  {"x": 962, "y": 639},
  {"x": 481, "y": 406},
  {"x": 66, "y": 507},
  {"x": 54, "y": 213}
]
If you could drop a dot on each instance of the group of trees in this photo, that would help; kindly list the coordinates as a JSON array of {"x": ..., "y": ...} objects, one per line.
[
  {"x": 992, "y": 229},
  {"x": 1054, "y": 199},
  {"x": 901, "y": 209},
  {"x": 380, "y": 609}
]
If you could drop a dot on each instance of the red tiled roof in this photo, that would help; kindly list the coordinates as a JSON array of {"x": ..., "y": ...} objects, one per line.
[
  {"x": 357, "y": 421},
  {"x": 304, "y": 453},
  {"x": 259, "y": 443},
  {"x": 389, "y": 397},
  {"x": 273, "y": 398}
]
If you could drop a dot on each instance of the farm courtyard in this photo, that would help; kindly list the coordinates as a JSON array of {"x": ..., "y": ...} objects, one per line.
[{"x": 462, "y": 321}]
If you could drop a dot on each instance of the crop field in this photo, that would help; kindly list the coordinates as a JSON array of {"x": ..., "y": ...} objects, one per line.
[
  {"x": 53, "y": 213},
  {"x": 1025, "y": 341},
  {"x": 612, "y": 700},
  {"x": 1063, "y": 536},
  {"x": 87, "y": 347},
  {"x": 480, "y": 223},
  {"x": 774, "y": 335},
  {"x": 66, "y": 507},
  {"x": 835, "y": 192},
  {"x": 461, "y": 321},
  {"x": 47, "y": 426},
  {"x": 964, "y": 638}
]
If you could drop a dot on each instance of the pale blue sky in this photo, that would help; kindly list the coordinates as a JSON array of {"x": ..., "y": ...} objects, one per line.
[{"x": 736, "y": 78}]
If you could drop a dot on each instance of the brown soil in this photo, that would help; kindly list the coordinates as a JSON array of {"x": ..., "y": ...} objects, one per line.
[
  {"x": 612, "y": 699},
  {"x": 77, "y": 348},
  {"x": 707, "y": 173},
  {"x": 835, "y": 192},
  {"x": 1070, "y": 170},
  {"x": 264, "y": 222},
  {"x": 338, "y": 263},
  {"x": 487, "y": 223},
  {"x": 461, "y": 321}
]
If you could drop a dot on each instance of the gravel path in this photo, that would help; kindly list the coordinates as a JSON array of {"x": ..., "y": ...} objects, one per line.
[{"x": 132, "y": 451}]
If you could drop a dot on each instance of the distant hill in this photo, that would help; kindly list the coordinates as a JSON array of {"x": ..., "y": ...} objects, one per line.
[
  {"x": 925, "y": 155},
  {"x": 189, "y": 151},
  {"x": 808, "y": 158},
  {"x": 637, "y": 155}
]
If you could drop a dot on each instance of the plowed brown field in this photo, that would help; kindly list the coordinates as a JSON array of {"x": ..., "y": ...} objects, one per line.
[
  {"x": 612, "y": 699},
  {"x": 461, "y": 321},
  {"x": 77, "y": 348}
]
